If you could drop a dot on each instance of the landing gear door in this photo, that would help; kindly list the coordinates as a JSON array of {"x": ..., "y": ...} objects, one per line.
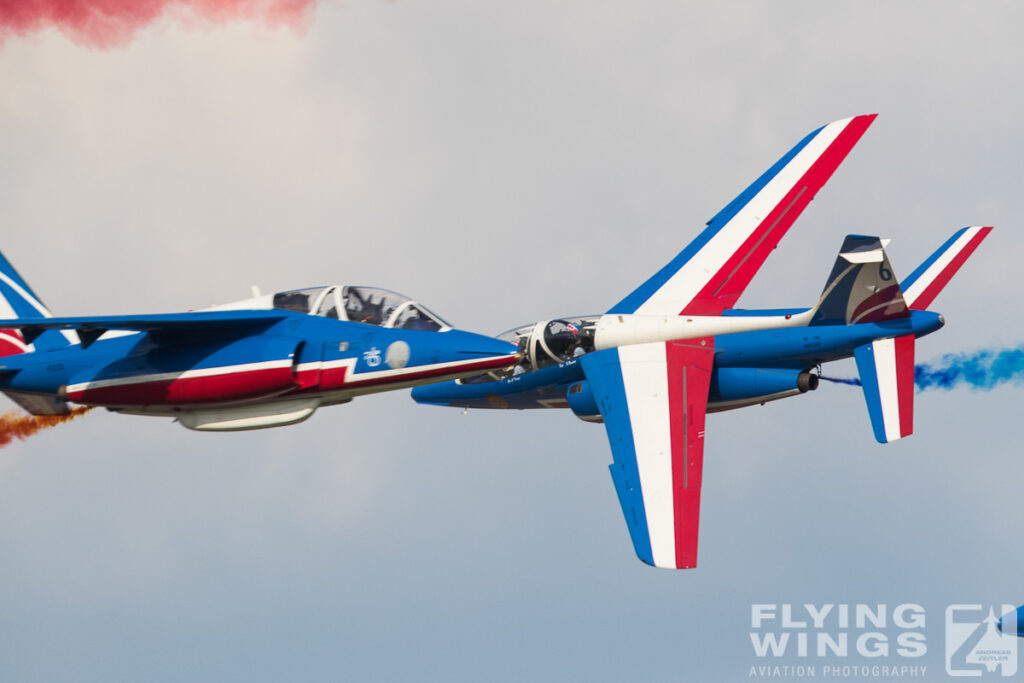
[{"x": 308, "y": 359}]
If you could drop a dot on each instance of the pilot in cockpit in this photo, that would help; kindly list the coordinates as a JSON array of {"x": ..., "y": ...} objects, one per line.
[{"x": 364, "y": 310}]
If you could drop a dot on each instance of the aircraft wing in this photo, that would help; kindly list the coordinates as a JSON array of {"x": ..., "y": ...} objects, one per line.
[
  {"x": 710, "y": 274},
  {"x": 90, "y": 328},
  {"x": 653, "y": 398}
]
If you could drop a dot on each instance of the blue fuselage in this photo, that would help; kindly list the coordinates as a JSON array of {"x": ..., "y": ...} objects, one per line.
[
  {"x": 790, "y": 349},
  {"x": 297, "y": 355}
]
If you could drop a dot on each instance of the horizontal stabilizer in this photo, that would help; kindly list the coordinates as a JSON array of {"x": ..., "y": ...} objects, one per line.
[
  {"x": 925, "y": 283},
  {"x": 886, "y": 368}
]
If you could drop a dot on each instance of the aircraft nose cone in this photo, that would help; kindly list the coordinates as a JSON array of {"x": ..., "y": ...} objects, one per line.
[
  {"x": 1011, "y": 623},
  {"x": 471, "y": 348},
  {"x": 482, "y": 345}
]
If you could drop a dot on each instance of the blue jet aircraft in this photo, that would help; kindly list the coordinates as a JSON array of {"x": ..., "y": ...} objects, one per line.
[
  {"x": 263, "y": 362},
  {"x": 648, "y": 371}
]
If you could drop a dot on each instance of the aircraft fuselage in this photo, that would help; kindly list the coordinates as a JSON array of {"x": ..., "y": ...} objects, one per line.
[
  {"x": 298, "y": 363},
  {"x": 795, "y": 349}
]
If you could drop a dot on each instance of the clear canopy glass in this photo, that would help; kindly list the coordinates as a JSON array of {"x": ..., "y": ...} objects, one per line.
[
  {"x": 542, "y": 344},
  {"x": 368, "y": 305}
]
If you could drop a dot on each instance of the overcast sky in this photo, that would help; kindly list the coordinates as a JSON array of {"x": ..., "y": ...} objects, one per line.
[{"x": 504, "y": 163}]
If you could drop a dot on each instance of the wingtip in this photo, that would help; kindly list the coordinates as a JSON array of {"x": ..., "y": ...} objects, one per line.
[
  {"x": 864, "y": 120},
  {"x": 859, "y": 123}
]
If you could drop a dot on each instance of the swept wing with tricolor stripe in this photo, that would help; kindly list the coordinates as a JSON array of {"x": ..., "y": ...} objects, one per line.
[
  {"x": 710, "y": 274},
  {"x": 653, "y": 396}
]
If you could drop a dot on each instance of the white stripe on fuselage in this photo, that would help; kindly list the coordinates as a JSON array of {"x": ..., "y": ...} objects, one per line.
[
  {"x": 183, "y": 374},
  {"x": 370, "y": 375},
  {"x": 645, "y": 378},
  {"x": 348, "y": 363},
  {"x": 684, "y": 285}
]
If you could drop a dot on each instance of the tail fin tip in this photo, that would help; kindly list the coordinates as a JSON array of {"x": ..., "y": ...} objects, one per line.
[{"x": 931, "y": 277}]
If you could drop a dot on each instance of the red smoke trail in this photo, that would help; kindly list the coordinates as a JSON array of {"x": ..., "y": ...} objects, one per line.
[
  {"x": 105, "y": 23},
  {"x": 23, "y": 426}
]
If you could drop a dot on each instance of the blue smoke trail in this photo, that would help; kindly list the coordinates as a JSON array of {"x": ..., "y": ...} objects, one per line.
[
  {"x": 981, "y": 370},
  {"x": 852, "y": 381}
]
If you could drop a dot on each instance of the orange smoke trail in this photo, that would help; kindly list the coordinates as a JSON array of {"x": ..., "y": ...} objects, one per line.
[{"x": 18, "y": 425}]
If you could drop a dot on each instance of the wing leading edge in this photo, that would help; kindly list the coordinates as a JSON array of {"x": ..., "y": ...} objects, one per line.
[
  {"x": 653, "y": 398},
  {"x": 711, "y": 273}
]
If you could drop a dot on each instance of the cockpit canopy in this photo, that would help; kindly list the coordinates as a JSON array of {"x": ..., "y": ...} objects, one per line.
[
  {"x": 542, "y": 344},
  {"x": 369, "y": 305},
  {"x": 552, "y": 341}
]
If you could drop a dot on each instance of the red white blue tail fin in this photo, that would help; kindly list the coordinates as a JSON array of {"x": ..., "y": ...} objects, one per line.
[
  {"x": 886, "y": 369},
  {"x": 925, "y": 283},
  {"x": 711, "y": 273},
  {"x": 17, "y": 300}
]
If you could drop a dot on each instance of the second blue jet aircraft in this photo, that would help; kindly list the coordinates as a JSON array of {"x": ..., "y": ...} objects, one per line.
[{"x": 650, "y": 373}]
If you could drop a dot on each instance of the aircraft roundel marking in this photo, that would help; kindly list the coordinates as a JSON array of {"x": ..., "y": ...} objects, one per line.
[{"x": 397, "y": 355}]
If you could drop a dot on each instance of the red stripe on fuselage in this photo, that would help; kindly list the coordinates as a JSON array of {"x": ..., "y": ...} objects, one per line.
[
  {"x": 942, "y": 279},
  {"x": 234, "y": 385},
  {"x": 227, "y": 386},
  {"x": 11, "y": 343},
  {"x": 737, "y": 272},
  {"x": 904, "y": 348},
  {"x": 689, "y": 377}
]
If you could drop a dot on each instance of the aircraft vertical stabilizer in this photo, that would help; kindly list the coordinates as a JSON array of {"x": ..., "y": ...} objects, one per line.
[
  {"x": 861, "y": 287},
  {"x": 17, "y": 300}
]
